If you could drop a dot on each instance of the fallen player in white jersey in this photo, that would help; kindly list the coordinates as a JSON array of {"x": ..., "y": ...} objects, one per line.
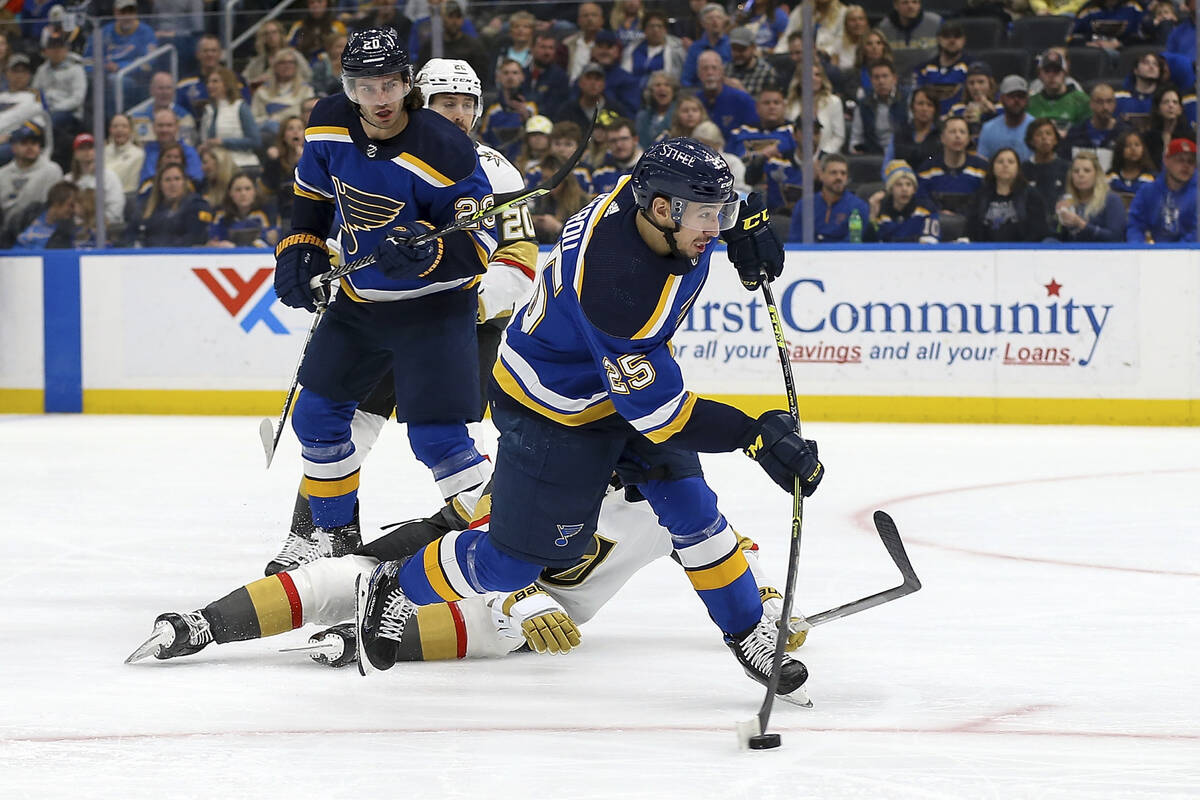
[{"x": 543, "y": 617}]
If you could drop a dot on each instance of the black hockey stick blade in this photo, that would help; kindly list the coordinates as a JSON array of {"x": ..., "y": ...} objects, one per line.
[
  {"x": 890, "y": 536},
  {"x": 503, "y": 202}
]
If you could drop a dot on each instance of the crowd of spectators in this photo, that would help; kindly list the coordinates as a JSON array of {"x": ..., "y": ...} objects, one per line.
[{"x": 979, "y": 120}]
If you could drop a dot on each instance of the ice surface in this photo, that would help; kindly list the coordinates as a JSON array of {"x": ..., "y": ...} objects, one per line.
[{"x": 1052, "y": 652}]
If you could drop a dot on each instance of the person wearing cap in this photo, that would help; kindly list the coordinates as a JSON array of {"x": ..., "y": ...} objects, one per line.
[
  {"x": 588, "y": 98},
  {"x": 162, "y": 98},
  {"x": 458, "y": 42},
  {"x": 946, "y": 73},
  {"x": 35, "y": 16},
  {"x": 537, "y": 142},
  {"x": 26, "y": 179},
  {"x": 832, "y": 206},
  {"x": 590, "y": 20},
  {"x": 745, "y": 66},
  {"x": 623, "y": 153},
  {"x": 83, "y": 175},
  {"x": 715, "y": 21},
  {"x": 1008, "y": 129},
  {"x": 20, "y": 105},
  {"x": 659, "y": 51},
  {"x": 621, "y": 87},
  {"x": 63, "y": 83},
  {"x": 122, "y": 42},
  {"x": 726, "y": 105},
  {"x": 1057, "y": 100},
  {"x": 1100, "y": 130},
  {"x": 911, "y": 31},
  {"x": 1165, "y": 211},
  {"x": 504, "y": 120},
  {"x": 900, "y": 213}
]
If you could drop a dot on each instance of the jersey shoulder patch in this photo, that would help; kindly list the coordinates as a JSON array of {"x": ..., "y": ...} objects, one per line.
[{"x": 503, "y": 176}]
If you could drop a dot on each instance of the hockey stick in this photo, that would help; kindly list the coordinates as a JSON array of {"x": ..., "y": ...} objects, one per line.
[
  {"x": 752, "y": 732},
  {"x": 268, "y": 434},
  {"x": 886, "y": 529},
  {"x": 503, "y": 202}
]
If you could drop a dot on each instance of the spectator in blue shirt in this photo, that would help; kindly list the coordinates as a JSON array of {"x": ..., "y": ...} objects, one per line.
[
  {"x": 899, "y": 212},
  {"x": 1182, "y": 39},
  {"x": 166, "y": 132},
  {"x": 619, "y": 86},
  {"x": 945, "y": 73},
  {"x": 1088, "y": 211},
  {"x": 730, "y": 108},
  {"x": 545, "y": 81},
  {"x": 1008, "y": 129},
  {"x": 1165, "y": 211},
  {"x": 833, "y": 205},
  {"x": 124, "y": 41},
  {"x": 715, "y": 39},
  {"x": 54, "y": 228},
  {"x": 953, "y": 175},
  {"x": 1136, "y": 97},
  {"x": 1107, "y": 24}
]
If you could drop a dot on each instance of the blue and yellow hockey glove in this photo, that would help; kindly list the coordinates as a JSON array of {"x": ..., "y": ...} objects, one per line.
[
  {"x": 401, "y": 261},
  {"x": 298, "y": 259}
]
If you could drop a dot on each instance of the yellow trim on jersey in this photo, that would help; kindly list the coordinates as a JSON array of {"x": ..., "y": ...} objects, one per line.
[
  {"x": 310, "y": 134},
  {"x": 296, "y": 190},
  {"x": 514, "y": 390},
  {"x": 428, "y": 173},
  {"x": 720, "y": 575},
  {"x": 660, "y": 435},
  {"x": 660, "y": 311},
  {"x": 435, "y": 574},
  {"x": 349, "y": 290},
  {"x": 335, "y": 488},
  {"x": 271, "y": 606}
]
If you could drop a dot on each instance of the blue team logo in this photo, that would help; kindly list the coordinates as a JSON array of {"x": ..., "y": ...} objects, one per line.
[
  {"x": 362, "y": 211},
  {"x": 565, "y": 532}
]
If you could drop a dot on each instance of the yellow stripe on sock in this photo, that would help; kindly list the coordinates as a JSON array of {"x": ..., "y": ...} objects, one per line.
[
  {"x": 720, "y": 575},
  {"x": 271, "y": 606},
  {"x": 342, "y": 486},
  {"x": 435, "y": 575}
]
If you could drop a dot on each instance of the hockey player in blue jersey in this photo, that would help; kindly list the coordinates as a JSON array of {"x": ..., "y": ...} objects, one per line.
[
  {"x": 377, "y": 170},
  {"x": 585, "y": 385}
]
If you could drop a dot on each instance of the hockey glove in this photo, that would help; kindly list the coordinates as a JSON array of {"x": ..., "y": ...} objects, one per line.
[
  {"x": 543, "y": 622},
  {"x": 754, "y": 247},
  {"x": 401, "y": 261},
  {"x": 779, "y": 450},
  {"x": 298, "y": 259}
]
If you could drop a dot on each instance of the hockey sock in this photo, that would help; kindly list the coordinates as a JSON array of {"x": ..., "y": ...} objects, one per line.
[
  {"x": 709, "y": 551},
  {"x": 334, "y": 440},
  {"x": 462, "y": 564},
  {"x": 265, "y": 607},
  {"x": 449, "y": 452}
]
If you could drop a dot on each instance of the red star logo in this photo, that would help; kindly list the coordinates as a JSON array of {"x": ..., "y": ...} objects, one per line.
[{"x": 1052, "y": 288}]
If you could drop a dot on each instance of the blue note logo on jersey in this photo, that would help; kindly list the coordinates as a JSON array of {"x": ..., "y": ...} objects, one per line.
[
  {"x": 565, "y": 532},
  {"x": 362, "y": 211}
]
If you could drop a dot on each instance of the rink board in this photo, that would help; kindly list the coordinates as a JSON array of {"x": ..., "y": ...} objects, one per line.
[{"x": 1106, "y": 335}]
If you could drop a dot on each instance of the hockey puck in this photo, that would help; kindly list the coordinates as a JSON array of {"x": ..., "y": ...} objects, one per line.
[{"x": 765, "y": 741}]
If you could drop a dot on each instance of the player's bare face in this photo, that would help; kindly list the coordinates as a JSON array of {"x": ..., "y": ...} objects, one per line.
[{"x": 458, "y": 108}]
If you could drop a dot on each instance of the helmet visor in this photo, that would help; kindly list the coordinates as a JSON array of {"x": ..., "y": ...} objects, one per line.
[
  {"x": 701, "y": 216},
  {"x": 378, "y": 90}
]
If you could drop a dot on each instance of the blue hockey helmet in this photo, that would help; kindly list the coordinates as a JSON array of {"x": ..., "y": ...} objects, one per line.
[
  {"x": 375, "y": 53},
  {"x": 693, "y": 177}
]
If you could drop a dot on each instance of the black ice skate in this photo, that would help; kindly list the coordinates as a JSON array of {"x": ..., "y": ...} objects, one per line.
[
  {"x": 299, "y": 547},
  {"x": 338, "y": 542},
  {"x": 755, "y": 652},
  {"x": 381, "y": 612},
  {"x": 174, "y": 635}
]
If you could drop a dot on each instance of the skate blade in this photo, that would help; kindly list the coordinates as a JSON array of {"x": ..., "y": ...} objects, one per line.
[
  {"x": 162, "y": 636},
  {"x": 797, "y": 698},
  {"x": 325, "y": 647},
  {"x": 361, "y": 588}
]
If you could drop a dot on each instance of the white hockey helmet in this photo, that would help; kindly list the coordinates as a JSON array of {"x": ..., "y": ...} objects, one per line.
[{"x": 451, "y": 76}]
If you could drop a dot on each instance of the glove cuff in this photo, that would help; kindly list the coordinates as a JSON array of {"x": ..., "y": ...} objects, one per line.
[{"x": 300, "y": 238}]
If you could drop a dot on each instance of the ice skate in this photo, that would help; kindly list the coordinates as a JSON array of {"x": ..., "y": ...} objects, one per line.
[
  {"x": 174, "y": 635},
  {"x": 381, "y": 612},
  {"x": 332, "y": 647},
  {"x": 755, "y": 653},
  {"x": 297, "y": 549},
  {"x": 337, "y": 542},
  {"x": 305, "y": 542}
]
